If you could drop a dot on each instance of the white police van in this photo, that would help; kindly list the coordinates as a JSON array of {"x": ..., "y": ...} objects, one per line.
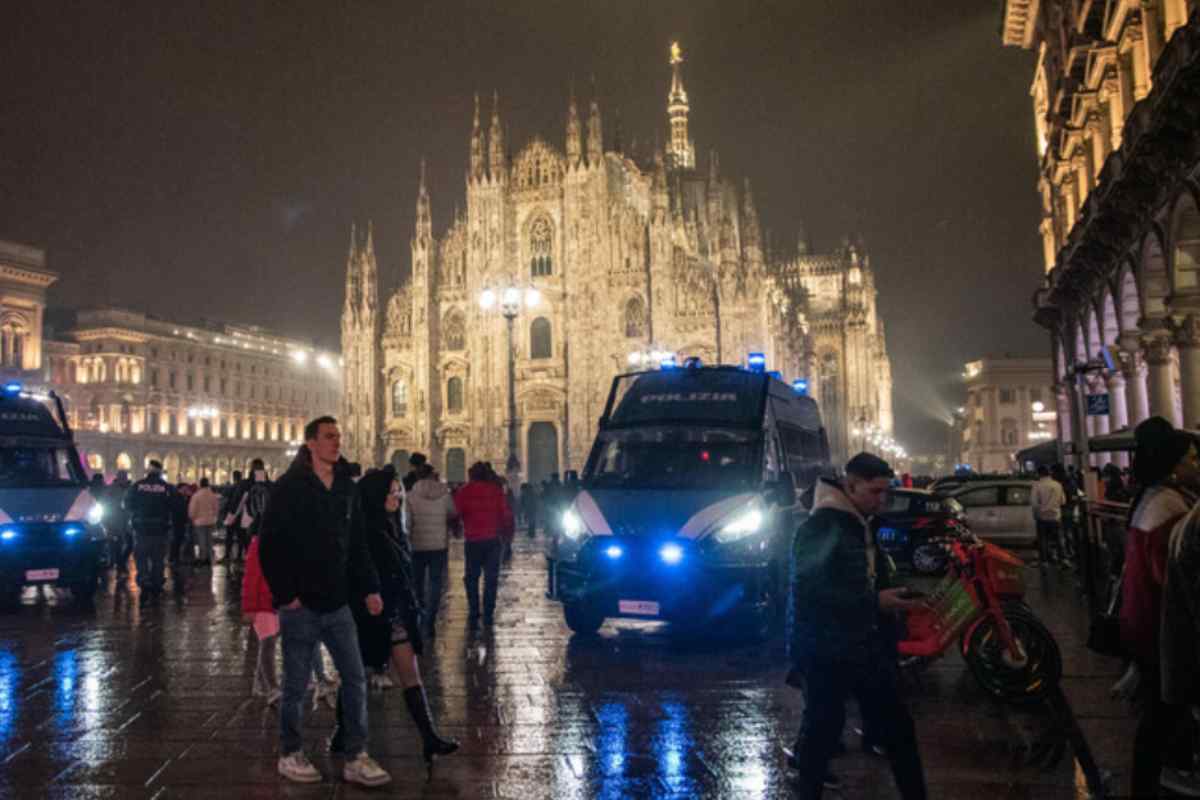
[
  {"x": 50, "y": 525},
  {"x": 688, "y": 502}
]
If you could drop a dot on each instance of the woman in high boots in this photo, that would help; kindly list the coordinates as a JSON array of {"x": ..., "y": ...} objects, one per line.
[{"x": 396, "y": 633}]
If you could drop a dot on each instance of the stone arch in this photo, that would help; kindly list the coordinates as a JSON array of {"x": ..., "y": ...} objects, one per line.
[
  {"x": 454, "y": 395},
  {"x": 541, "y": 339},
  {"x": 634, "y": 317},
  {"x": 1155, "y": 281},
  {"x": 1128, "y": 302},
  {"x": 1109, "y": 322},
  {"x": 1185, "y": 246},
  {"x": 123, "y": 461}
]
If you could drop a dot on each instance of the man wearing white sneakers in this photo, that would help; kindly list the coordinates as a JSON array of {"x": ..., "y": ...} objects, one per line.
[{"x": 312, "y": 549}]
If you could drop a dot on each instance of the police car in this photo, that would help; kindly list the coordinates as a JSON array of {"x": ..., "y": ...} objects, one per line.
[
  {"x": 689, "y": 499},
  {"x": 50, "y": 525}
]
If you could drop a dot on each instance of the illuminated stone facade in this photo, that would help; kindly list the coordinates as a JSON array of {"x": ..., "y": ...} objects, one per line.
[
  {"x": 24, "y": 280},
  {"x": 1010, "y": 406},
  {"x": 627, "y": 256},
  {"x": 1116, "y": 100},
  {"x": 203, "y": 399}
]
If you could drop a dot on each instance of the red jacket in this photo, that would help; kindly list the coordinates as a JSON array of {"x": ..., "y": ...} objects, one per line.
[
  {"x": 484, "y": 510},
  {"x": 256, "y": 594},
  {"x": 1145, "y": 569}
]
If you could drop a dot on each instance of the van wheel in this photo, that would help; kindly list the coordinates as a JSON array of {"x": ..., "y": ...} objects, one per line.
[{"x": 582, "y": 618}]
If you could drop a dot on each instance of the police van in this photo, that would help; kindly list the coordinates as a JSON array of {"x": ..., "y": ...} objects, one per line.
[
  {"x": 689, "y": 499},
  {"x": 50, "y": 525}
]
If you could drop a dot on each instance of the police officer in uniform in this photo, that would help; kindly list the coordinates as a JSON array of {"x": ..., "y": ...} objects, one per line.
[{"x": 148, "y": 503}]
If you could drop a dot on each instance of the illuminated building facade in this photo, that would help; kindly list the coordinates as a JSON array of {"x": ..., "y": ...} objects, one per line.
[
  {"x": 1116, "y": 101},
  {"x": 626, "y": 256},
  {"x": 203, "y": 399},
  {"x": 1010, "y": 406},
  {"x": 24, "y": 280}
]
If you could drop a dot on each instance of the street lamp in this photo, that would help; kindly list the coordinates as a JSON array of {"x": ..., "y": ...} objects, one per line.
[
  {"x": 509, "y": 300},
  {"x": 651, "y": 356}
]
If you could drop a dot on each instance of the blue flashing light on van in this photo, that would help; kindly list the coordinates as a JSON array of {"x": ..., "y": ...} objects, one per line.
[
  {"x": 756, "y": 362},
  {"x": 800, "y": 386},
  {"x": 689, "y": 500}
]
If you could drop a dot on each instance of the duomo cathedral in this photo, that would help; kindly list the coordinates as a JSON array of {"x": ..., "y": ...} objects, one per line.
[{"x": 627, "y": 256}]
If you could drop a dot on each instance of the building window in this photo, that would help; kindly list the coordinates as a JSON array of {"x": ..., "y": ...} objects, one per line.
[
  {"x": 225, "y": 386},
  {"x": 454, "y": 395},
  {"x": 171, "y": 379},
  {"x": 191, "y": 382},
  {"x": 541, "y": 246},
  {"x": 539, "y": 338},
  {"x": 154, "y": 378},
  {"x": 399, "y": 399},
  {"x": 635, "y": 318},
  {"x": 1008, "y": 432},
  {"x": 1035, "y": 395},
  {"x": 154, "y": 422},
  {"x": 454, "y": 332},
  {"x": 1008, "y": 396}
]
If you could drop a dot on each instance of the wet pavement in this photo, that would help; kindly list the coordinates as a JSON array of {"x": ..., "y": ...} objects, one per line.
[{"x": 122, "y": 702}]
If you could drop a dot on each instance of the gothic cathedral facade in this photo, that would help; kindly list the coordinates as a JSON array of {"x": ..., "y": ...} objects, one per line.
[{"x": 624, "y": 258}]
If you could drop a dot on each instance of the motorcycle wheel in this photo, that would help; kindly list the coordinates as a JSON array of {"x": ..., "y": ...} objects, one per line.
[
  {"x": 929, "y": 559},
  {"x": 1026, "y": 681}
]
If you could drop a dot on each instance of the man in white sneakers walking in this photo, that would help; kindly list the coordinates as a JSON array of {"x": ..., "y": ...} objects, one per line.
[{"x": 312, "y": 550}]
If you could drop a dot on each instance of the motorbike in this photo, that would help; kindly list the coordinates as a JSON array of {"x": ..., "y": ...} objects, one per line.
[{"x": 980, "y": 603}]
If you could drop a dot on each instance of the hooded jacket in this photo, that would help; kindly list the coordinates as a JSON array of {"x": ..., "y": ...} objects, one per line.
[
  {"x": 313, "y": 543},
  {"x": 837, "y": 574},
  {"x": 430, "y": 509}
]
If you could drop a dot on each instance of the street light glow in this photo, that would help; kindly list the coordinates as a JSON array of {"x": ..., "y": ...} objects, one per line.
[
  {"x": 533, "y": 298},
  {"x": 512, "y": 296},
  {"x": 487, "y": 299}
]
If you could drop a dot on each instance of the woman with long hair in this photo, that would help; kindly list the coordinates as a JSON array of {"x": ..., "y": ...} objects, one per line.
[{"x": 395, "y": 634}]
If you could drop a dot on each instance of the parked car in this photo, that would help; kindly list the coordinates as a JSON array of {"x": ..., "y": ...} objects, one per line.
[
  {"x": 998, "y": 510},
  {"x": 910, "y": 525}
]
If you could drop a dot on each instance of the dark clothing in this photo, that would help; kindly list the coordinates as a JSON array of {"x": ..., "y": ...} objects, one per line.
[
  {"x": 148, "y": 503},
  {"x": 835, "y": 590},
  {"x": 1164, "y": 738},
  {"x": 482, "y": 558},
  {"x": 829, "y": 685},
  {"x": 313, "y": 544},
  {"x": 843, "y": 645},
  {"x": 1047, "y": 537},
  {"x": 430, "y": 564},
  {"x": 410, "y": 480}
]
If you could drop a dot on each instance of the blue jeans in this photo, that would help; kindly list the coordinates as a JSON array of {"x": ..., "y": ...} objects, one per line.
[{"x": 300, "y": 630}]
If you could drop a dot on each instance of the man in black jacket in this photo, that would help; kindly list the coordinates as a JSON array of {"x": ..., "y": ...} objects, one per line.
[
  {"x": 841, "y": 588},
  {"x": 148, "y": 503},
  {"x": 313, "y": 549}
]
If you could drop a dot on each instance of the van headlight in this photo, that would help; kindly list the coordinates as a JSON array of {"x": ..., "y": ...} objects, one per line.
[
  {"x": 95, "y": 514},
  {"x": 744, "y": 524},
  {"x": 572, "y": 525}
]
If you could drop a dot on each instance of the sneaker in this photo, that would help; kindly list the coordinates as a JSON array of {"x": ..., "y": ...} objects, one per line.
[
  {"x": 296, "y": 767},
  {"x": 1180, "y": 781},
  {"x": 363, "y": 770},
  {"x": 382, "y": 681}
]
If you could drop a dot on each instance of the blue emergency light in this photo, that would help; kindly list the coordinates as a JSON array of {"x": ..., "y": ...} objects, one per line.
[
  {"x": 757, "y": 362},
  {"x": 72, "y": 531},
  {"x": 800, "y": 386},
  {"x": 776, "y": 374},
  {"x": 12, "y": 387},
  {"x": 668, "y": 362},
  {"x": 8, "y": 534},
  {"x": 614, "y": 552},
  {"x": 693, "y": 362},
  {"x": 671, "y": 553}
]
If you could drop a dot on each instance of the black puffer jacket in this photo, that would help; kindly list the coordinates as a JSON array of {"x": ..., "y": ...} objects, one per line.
[
  {"x": 838, "y": 571},
  {"x": 313, "y": 543},
  {"x": 393, "y": 563}
]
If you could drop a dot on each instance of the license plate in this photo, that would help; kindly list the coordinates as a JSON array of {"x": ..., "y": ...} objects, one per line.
[
  {"x": 41, "y": 574},
  {"x": 642, "y": 607},
  {"x": 888, "y": 534}
]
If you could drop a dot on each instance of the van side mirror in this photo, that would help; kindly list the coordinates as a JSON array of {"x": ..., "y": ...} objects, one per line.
[{"x": 783, "y": 491}]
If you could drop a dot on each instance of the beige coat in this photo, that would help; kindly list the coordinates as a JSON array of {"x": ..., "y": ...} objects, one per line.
[
  {"x": 430, "y": 512},
  {"x": 204, "y": 506}
]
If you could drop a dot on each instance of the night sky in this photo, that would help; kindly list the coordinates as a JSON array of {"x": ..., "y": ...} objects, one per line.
[{"x": 206, "y": 159}]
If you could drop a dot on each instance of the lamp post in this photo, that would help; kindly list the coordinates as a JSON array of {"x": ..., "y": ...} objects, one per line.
[{"x": 509, "y": 300}]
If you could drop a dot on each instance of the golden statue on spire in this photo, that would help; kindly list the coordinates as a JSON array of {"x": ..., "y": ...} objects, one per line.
[{"x": 676, "y": 54}]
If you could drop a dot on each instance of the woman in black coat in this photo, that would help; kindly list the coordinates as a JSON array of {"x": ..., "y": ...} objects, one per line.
[{"x": 395, "y": 634}]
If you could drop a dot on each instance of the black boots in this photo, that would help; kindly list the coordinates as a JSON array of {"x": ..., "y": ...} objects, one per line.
[{"x": 418, "y": 707}]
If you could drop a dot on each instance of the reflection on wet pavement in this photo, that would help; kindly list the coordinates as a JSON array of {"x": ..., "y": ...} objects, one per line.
[{"x": 125, "y": 702}]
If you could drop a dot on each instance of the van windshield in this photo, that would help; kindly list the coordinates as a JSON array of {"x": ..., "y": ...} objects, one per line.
[
  {"x": 26, "y": 466},
  {"x": 675, "y": 457}
]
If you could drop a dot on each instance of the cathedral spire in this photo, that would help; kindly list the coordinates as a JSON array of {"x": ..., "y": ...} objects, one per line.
[
  {"x": 574, "y": 134},
  {"x": 352, "y": 270},
  {"x": 496, "y": 161},
  {"x": 370, "y": 284},
  {"x": 424, "y": 229},
  {"x": 476, "y": 144},
  {"x": 681, "y": 152},
  {"x": 595, "y": 135}
]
